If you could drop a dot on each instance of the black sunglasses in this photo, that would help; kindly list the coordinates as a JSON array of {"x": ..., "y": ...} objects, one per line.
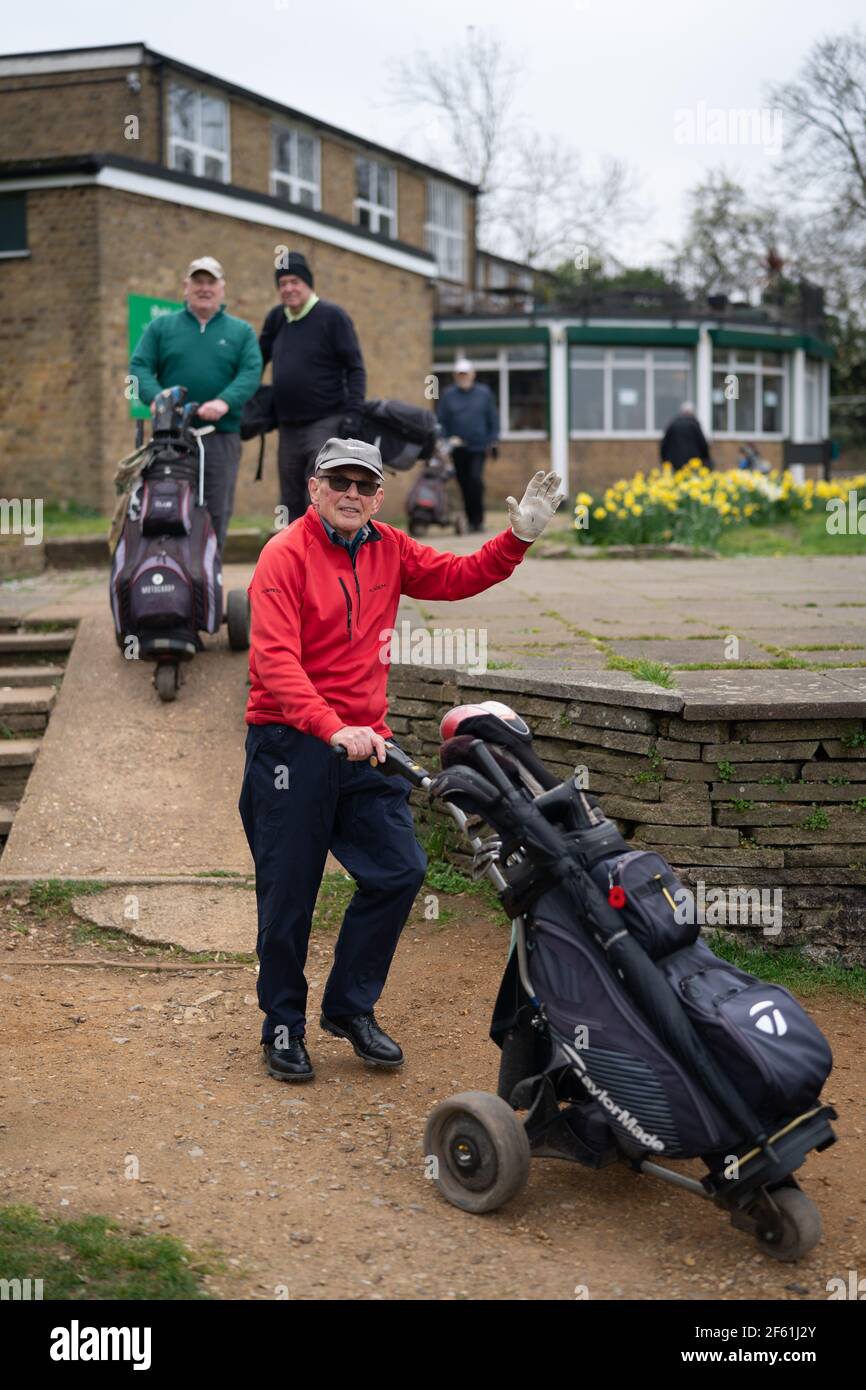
[{"x": 340, "y": 483}]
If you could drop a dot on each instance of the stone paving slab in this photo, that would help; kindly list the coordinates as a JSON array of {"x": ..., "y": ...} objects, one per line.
[
  {"x": 744, "y": 694},
  {"x": 689, "y": 649}
]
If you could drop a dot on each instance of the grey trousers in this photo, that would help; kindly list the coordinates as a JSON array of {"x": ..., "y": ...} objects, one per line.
[
  {"x": 299, "y": 445},
  {"x": 222, "y": 456}
]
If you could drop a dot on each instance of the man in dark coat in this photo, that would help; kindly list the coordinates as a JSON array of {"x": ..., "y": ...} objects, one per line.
[
  {"x": 684, "y": 439},
  {"x": 318, "y": 376},
  {"x": 468, "y": 413}
]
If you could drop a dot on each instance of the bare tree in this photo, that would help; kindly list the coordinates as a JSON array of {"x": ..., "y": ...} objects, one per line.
[
  {"x": 733, "y": 242},
  {"x": 538, "y": 203}
]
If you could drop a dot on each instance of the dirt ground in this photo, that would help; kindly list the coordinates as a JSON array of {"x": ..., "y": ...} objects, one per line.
[{"x": 318, "y": 1191}]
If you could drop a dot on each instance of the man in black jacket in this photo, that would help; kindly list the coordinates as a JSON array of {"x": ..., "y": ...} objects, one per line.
[
  {"x": 318, "y": 376},
  {"x": 684, "y": 439}
]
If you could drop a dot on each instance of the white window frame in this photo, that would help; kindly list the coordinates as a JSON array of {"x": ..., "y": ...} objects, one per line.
[
  {"x": 440, "y": 238},
  {"x": 733, "y": 367},
  {"x": 374, "y": 206},
  {"x": 813, "y": 371},
  {"x": 281, "y": 181},
  {"x": 497, "y": 361},
  {"x": 609, "y": 361},
  {"x": 197, "y": 148}
]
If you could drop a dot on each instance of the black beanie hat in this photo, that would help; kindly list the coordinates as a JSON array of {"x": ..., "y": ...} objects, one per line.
[{"x": 296, "y": 264}]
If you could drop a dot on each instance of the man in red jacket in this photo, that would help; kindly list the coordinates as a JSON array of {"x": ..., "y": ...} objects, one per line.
[{"x": 324, "y": 599}]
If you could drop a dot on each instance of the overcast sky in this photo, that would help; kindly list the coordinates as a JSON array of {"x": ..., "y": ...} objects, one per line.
[{"x": 610, "y": 76}]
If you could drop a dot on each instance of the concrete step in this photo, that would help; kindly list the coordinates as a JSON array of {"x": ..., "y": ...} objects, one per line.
[
  {"x": 7, "y": 815},
  {"x": 27, "y": 700},
  {"x": 34, "y": 673},
  {"x": 23, "y": 641},
  {"x": 8, "y": 620},
  {"x": 18, "y": 752}
]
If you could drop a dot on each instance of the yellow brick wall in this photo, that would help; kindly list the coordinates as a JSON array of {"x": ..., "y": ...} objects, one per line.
[
  {"x": 250, "y": 134},
  {"x": 411, "y": 206},
  {"x": 338, "y": 179},
  {"x": 50, "y": 419},
  {"x": 62, "y": 114}
]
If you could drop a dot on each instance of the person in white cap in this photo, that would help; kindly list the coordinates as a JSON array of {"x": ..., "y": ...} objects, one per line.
[
  {"x": 469, "y": 415},
  {"x": 217, "y": 358}
]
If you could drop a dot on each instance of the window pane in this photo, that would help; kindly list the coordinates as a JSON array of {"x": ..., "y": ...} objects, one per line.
[
  {"x": 363, "y": 178},
  {"x": 183, "y": 159},
  {"x": 306, "y": 197},
  {"x": 720, "y": 404},
  {"x": 363, "y": 217},
  {"x": 674, "y": 354},
  {"x": 386, "y": 224},
  {"x": 629, "y": 399},
  {"x": 744, "y": 408},
  {"x": 213, "y": 123},
  {"x": 771, "y": 359},
  {"x": 306, "y": 158},
  {"x": 582, "y": 354},
  {"x": 742, "y": 355},
  {"x": 282, "y": 149},
  {"x": 629, "y": 354},
  {"x": 672, "y": 386},
  {"x": 771, "y": 405},
  {"x": 527, "y": 401},
  {"x": 387, "y": 187},
  {"x": 528, "y": 352},
  {"x": 13, "y": 222},
  {"x": 182, "y": 113},
  {"x": 587, "y": 399},
  {"x": 214, "y": 168},
  {"x": 491, "y": 379}
]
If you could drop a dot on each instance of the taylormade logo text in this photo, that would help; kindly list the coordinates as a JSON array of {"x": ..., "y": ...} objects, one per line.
[{"x": 622, "y": 1116}]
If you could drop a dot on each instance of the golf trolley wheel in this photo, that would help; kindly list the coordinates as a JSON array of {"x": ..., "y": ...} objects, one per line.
[
  {"x": 417, "y": 528},
  {"x": 481, "y": 1151},
  {"x": 798, "y": 1230},
  {"x": 166, "y": 678},
  {"x": 238, "y": 619},
  {"x": 461, "y": 525}
]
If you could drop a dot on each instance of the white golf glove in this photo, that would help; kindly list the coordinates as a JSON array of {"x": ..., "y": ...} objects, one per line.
[{"x": 539, "y": 502}]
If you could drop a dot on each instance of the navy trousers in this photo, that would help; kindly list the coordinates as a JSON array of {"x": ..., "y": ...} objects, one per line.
[{"x": 298, "y": 800}]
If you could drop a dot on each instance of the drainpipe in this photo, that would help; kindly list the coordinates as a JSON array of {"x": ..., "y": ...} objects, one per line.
[
  {"x": 704, "y": 381},
  {"x": 798, "y": 397},
  {"x": 559, "y": 403}
]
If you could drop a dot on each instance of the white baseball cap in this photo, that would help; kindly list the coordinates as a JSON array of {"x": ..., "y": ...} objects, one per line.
[
  {"x": 463, "y": 365},
  {"x": 207, "y": 263}
]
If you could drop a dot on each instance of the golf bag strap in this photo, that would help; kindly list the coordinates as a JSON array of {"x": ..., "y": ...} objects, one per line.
[{"x": 261, "y": 468}]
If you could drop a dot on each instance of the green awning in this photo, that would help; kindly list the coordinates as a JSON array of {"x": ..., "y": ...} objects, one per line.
[
  {"x": 502, "y": 337},
  {"x": 770, "y": 342},
  {"x": 632, "y": 337}
]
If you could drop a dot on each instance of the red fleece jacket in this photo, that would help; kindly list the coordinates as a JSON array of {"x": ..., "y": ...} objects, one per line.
[{"x": 316, "y": 619}]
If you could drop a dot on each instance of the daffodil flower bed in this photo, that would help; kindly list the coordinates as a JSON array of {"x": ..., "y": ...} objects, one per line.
[{"x": 691, "y": 506}]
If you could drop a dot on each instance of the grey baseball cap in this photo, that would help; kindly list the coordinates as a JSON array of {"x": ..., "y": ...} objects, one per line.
[{"x": 336, "y": 453}]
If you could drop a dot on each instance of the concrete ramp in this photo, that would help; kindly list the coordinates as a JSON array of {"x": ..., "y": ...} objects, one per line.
[{"x": 125, "y": 784}]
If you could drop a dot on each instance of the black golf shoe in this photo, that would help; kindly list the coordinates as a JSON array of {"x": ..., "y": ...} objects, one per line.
[
  {"x": 289, "y": 1063},
  {"x": 371, "y": 1044}
]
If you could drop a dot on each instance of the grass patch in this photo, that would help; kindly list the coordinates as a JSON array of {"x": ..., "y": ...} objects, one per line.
[
  {"x": 817, "y": 820},
  {"x": 92, "y": 1258},
  {"x": 643, "y": 669},
  {"x": 790, "y": 969},
  {"x": 58, "y": 893},
  {"x": 807, "y": 535}
]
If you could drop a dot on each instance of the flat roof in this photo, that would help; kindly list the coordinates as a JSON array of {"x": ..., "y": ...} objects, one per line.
[{"x": 45, "y": 61}]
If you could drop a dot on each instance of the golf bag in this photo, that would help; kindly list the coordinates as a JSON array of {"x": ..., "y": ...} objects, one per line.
[
  {"x": 166, "y": 575},
  {"x": 664, "y": 1044},
  {"x": 402, "y": 433}
]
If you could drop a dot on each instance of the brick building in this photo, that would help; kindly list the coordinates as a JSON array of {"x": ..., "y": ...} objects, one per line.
[{"x": 117, "y": 167}]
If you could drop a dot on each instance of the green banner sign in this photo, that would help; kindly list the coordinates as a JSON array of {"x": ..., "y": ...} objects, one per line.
[{"x": 143, "y": 308}]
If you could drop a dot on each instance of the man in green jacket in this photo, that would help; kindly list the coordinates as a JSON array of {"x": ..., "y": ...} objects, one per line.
[{"x": 217, "y": 358}]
